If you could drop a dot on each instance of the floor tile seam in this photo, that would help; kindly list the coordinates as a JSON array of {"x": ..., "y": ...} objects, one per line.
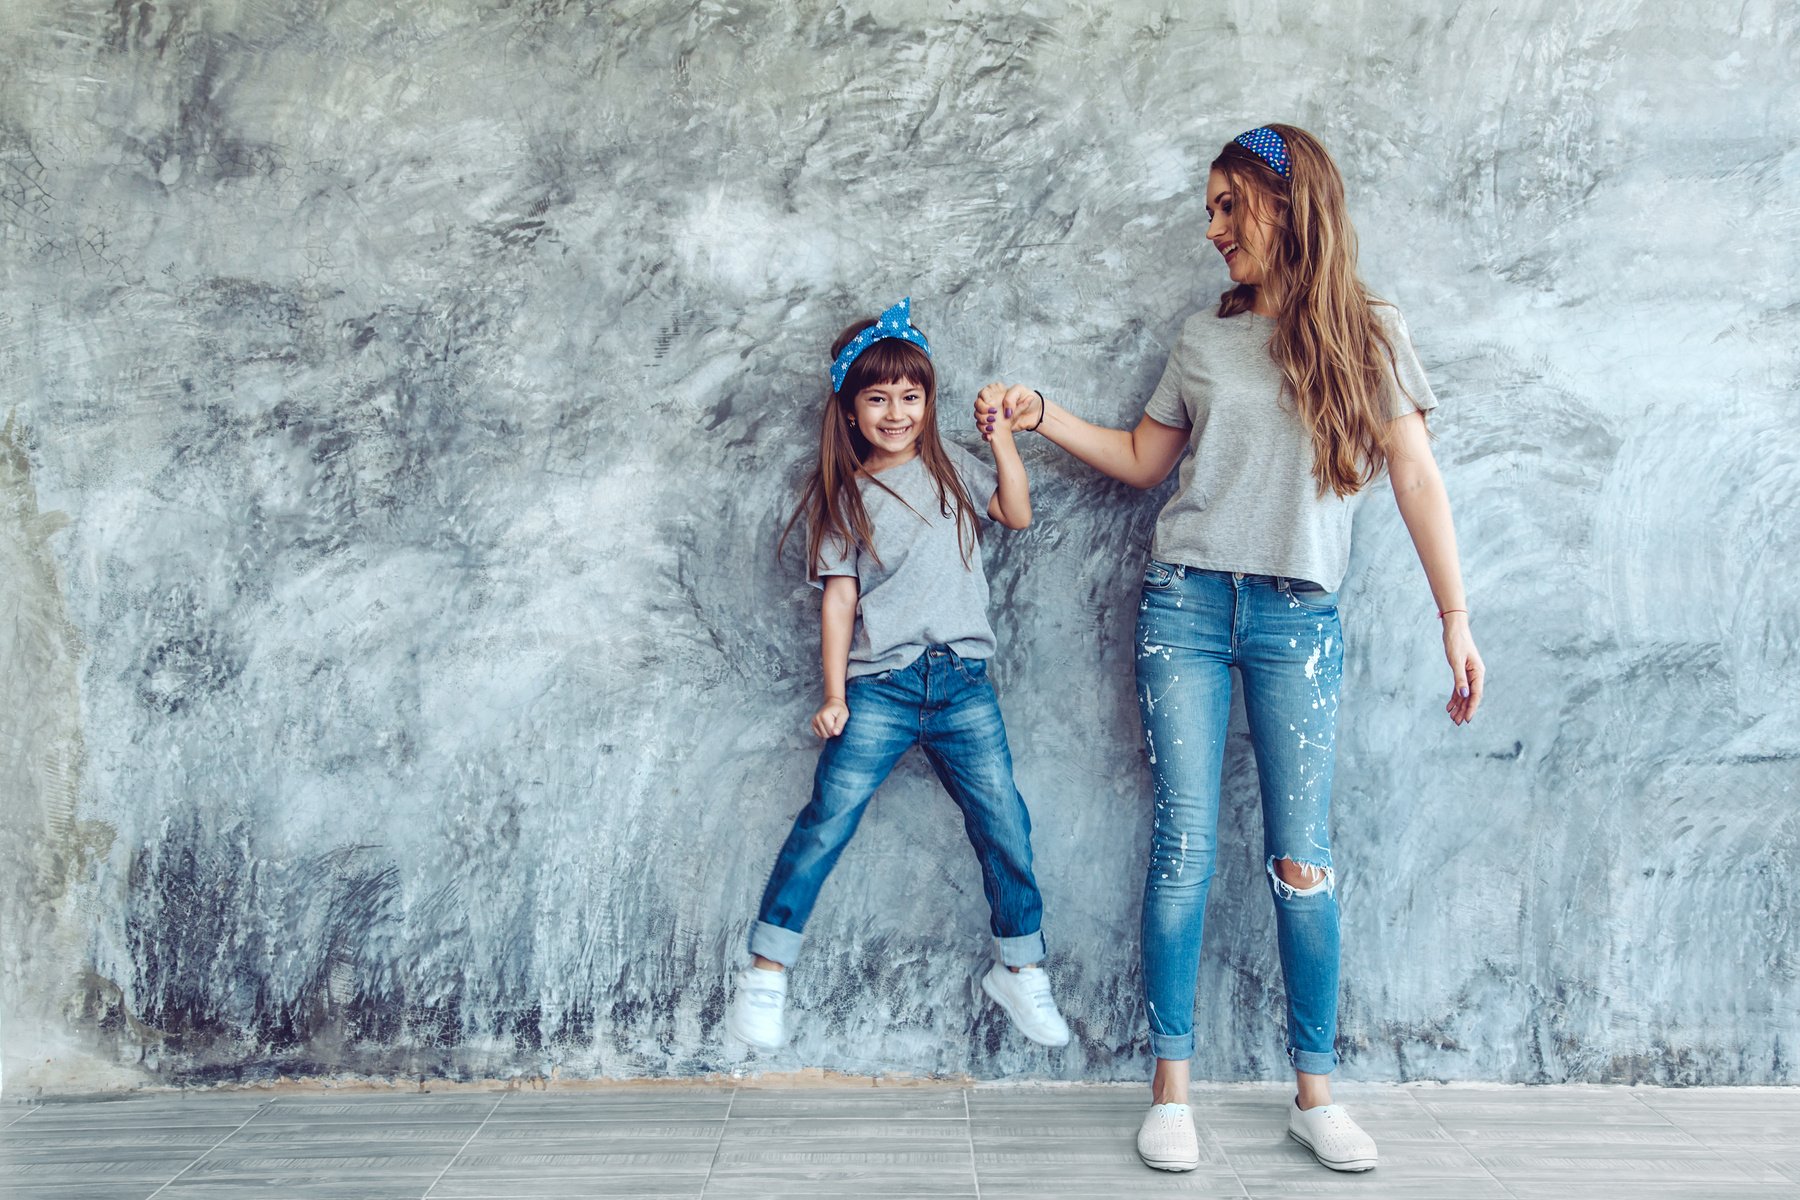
[
  {"x": 32, "y": 1108},
  {"x": 724, "y": 1126},
  {"x": 202, "y": 1155},
  {"x": 969, "y": 1134},
  {"x": 1217, "y": 1144},
  {"x": 1651, "y": 1108},
  {"x": 1734, "y": 1173},
  {"x": 1711, "y": 1144},
  {"x": 466, "y": 1141},
  {"x": 1465, "y": 1148}
]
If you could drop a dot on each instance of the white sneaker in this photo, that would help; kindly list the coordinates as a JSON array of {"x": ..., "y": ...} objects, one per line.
[
  {"x": 1025, "y": 995},
  {"x": 755, "y": 1012},
  {"x": 1335, "y": 1140},
  {"x": 1167, "y": 1139}
]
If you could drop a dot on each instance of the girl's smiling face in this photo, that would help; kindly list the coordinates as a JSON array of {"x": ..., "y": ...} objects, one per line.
[
  {"x": 1236, "y": 232},
  {"x": 890, "y": 417}
]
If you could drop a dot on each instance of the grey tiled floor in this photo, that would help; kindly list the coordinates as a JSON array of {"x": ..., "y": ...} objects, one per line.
[{"x": 890, "y": 1143}]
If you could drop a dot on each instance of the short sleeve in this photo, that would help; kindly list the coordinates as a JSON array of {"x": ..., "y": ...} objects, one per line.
[
  {"x": 977, "y": 476},
  {"x": 1166, "y": 405},
  {"x": 836, "y": 557},
  {"x": 1408, "y": 389}
]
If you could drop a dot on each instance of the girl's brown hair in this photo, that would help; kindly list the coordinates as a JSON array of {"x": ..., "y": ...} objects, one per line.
[
  {"x": 831, "y": 502},
  {"x": 1334, "y": 356}
]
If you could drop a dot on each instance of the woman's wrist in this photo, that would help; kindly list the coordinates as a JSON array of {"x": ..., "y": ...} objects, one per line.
[
  {"x": 1451, "y": 615},
  {"x": 1043, "y": 411}
]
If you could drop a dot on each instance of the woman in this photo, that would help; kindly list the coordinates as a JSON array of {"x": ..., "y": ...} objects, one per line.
[{"x": 1294, "y": 396}]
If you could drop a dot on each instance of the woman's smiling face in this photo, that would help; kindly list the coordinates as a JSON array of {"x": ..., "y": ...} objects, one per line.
[{"x": 1240, "y": 237}]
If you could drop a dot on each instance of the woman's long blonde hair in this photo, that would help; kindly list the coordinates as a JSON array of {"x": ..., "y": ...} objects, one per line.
[
  {"x": 831, "y": 503},
  {"x": 1334, "y": 356}
]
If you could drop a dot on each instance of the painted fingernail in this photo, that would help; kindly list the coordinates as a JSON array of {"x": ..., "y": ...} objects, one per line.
[{"x": 1465, "y": 693}]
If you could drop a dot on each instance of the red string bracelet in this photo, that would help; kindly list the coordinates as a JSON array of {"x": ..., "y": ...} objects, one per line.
[{"x": 1442, "y": 612}]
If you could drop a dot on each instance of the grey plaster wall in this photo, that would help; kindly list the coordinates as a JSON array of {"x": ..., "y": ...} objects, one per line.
[{"x": 400, "y": 402}]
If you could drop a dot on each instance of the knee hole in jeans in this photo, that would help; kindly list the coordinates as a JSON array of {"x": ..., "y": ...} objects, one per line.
[{"x": 1292, "y": 879}]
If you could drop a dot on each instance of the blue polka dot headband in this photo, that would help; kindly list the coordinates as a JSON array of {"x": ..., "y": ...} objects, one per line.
[
  {"x": 896, "y": 322},
  {"x": 1267, "y": 145}
]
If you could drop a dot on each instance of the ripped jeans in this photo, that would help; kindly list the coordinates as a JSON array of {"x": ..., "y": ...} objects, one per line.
[{"x": 1283, "y": 637}]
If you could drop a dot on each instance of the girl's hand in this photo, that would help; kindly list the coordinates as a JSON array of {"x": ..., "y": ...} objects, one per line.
[
  {"x": 1468, "y": 674},
  {"x": 1008, "y": 406},
  {"x": 829, "y": 721}
]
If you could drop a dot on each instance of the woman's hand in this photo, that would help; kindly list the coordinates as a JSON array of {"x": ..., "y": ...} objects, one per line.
[
  {"x": 1468, "y": 674},
  {"x": 829, "y": 721},
  {"x": 1012, "y": 405}
]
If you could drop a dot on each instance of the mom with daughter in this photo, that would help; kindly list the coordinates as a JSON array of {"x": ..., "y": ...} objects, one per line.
[{"x": 1283, "y": 407}]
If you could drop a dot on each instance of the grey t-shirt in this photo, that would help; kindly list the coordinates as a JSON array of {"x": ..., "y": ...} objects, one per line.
[
  {"x": 921, "y": 594},
  {"x": 1248, "y": 501}
]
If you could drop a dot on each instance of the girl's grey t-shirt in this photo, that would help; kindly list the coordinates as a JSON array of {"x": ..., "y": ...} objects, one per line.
[
  {"x": 921, "y": 593},
  {"x": 1248, "y": 501}
]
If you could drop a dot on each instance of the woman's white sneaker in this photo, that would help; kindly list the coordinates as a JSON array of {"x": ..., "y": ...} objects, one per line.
[
  {"x": 755, "y": 1012},
  {"x": 1167, "y": 1139},
  {"x": 1025, "y": 995},
  {"x": 1335, "y": 1140}
]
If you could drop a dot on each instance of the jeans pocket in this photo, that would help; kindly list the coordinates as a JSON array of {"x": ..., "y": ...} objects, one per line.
[
  {"x": 1158, "y": 575},
  {"x": 972, "y": 669},
  {"x": 1309, "y": 595}
]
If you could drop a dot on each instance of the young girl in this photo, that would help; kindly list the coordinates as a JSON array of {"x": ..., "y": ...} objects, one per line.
[
  {"x": 891, "y": 515},
  {"x": 1298, "y": 392}
]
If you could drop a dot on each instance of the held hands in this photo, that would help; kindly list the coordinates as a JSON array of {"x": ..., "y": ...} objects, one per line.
[
  {"x": 1468, "y": 673},
  {"x": 1002, "y": 408},
  {"x": 829, "y": 721}
]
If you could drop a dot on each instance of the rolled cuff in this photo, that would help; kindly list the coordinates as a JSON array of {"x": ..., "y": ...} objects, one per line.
[
  {"x": 1176, "y": 1046},
  {"x": 1023, "y": 950},
  {"x": 775, "y": 943},
  {"x": 1313, "y": 1062}
]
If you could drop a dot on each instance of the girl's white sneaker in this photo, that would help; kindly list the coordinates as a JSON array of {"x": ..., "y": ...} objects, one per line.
[
  {"x": 755, "y": 1012},
  {"x": 1335, "y": 1140},
  {"x": 1025, "y": 995},
  {"x": 1167, "y": 1139}
]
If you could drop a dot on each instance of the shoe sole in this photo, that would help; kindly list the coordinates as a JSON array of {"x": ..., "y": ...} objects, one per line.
[
  {"x": 1014, "y": 1017},
  {"x": 1169, "y": 1164},
  {"x": 1347, "y": 1164}
]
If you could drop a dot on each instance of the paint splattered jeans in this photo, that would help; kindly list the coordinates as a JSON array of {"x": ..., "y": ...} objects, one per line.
[
  {"x": 945, "y": 704},
  {"x": 1283, "y": 637}
]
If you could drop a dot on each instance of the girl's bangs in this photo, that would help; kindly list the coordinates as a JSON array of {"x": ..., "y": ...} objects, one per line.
[{"x": 889, "y": 360}]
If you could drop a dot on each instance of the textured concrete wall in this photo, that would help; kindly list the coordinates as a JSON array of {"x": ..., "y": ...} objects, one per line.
[{"x": 399, "y": 403}]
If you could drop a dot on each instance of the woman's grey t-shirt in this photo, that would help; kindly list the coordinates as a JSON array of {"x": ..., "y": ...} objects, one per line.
[
  {"x": 1248, "y": 501},
  {"x": 921, "y": 593}
]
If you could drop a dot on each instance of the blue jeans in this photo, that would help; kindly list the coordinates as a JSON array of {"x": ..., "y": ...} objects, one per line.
[
  {"x": 1283, "y": 637},
  {"x": 945, "y": 704}
]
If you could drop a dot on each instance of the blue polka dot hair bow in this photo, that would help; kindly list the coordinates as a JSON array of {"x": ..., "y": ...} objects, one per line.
[
  {"x": 896, "y": 322},
  {"x": 1267, "y": 145}
]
